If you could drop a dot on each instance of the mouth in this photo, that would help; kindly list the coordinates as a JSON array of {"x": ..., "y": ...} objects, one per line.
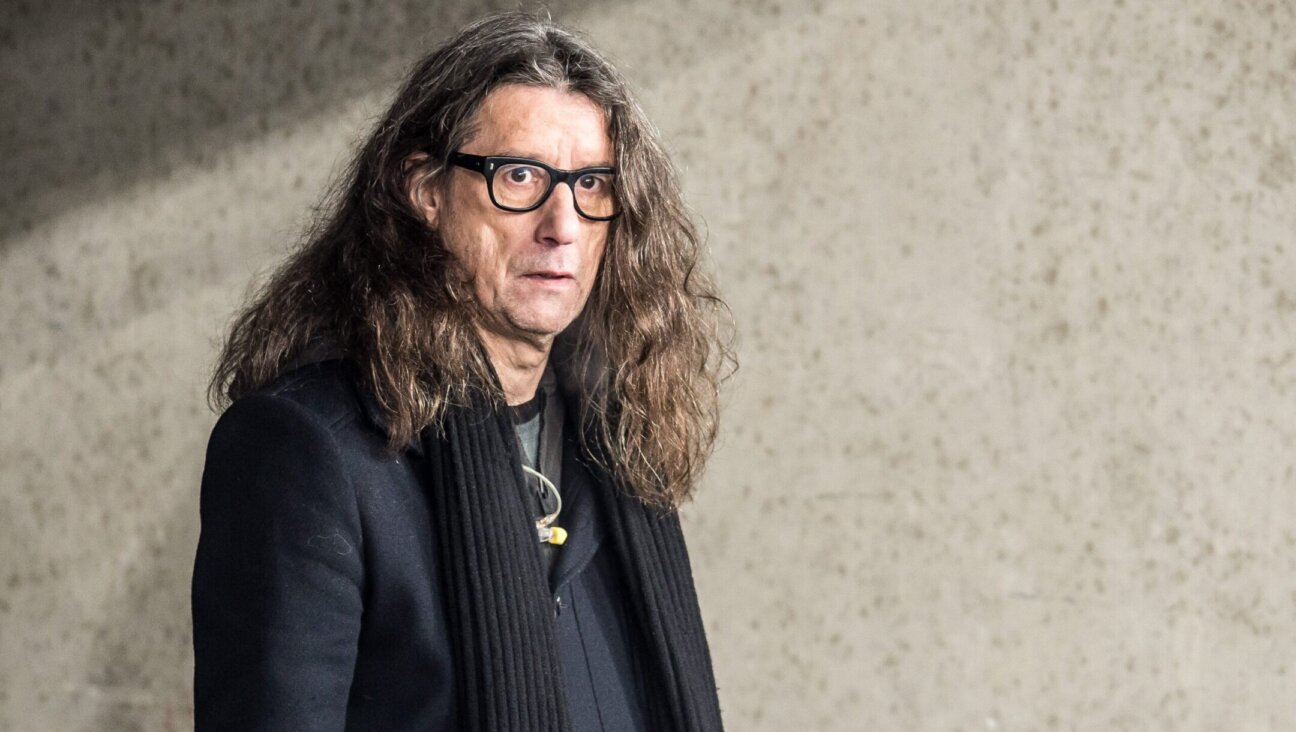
[{"x": 548, "y": 276}]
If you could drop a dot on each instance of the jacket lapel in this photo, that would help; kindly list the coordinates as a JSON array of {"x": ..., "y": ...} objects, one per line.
[{"x": 579, "y": 515}]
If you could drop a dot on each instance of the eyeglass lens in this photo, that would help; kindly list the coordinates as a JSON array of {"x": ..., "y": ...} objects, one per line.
[{"x": 520, "y": 186}]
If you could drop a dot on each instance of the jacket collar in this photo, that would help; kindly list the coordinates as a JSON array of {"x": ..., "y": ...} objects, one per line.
[
  {"x": 574, "y": 380},
  {"x": 325, "y": 349}
]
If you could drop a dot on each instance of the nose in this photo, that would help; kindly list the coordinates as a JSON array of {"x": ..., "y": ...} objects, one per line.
[{"x": 559, "y": 222}]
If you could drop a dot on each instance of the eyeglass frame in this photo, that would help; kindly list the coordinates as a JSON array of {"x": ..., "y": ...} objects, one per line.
[{"x": 487, "y": 165}]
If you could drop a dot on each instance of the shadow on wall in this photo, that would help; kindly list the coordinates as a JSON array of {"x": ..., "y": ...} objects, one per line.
[{"x": 99, "y": 95}]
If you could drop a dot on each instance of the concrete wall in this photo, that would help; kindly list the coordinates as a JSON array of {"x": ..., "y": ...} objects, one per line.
[{"x": 1012, "y": 443}]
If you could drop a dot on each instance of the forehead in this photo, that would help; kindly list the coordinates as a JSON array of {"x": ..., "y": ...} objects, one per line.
[{"x": 562, "y": 128}]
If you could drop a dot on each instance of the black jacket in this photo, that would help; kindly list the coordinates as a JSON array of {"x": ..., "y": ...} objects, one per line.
[{"x": 316, "y": 596}]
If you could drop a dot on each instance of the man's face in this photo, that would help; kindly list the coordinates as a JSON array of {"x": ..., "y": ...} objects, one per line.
[{"x": 531, "y": 272}]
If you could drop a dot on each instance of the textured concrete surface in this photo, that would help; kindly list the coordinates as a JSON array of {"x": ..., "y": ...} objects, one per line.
[{"x": 1012, "y": 443}]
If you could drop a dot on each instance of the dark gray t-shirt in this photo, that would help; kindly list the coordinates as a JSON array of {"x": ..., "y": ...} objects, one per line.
[{"x": 538, "y": 424}]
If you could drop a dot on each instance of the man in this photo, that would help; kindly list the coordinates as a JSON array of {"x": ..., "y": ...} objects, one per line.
[{"x": 461, "y": 419}]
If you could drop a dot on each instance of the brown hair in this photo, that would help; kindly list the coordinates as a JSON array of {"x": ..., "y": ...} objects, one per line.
[{"x": 371, "y": 275}]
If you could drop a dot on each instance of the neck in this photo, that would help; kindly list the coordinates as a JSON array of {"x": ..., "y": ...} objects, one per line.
[{"x": 519, "y": 365}]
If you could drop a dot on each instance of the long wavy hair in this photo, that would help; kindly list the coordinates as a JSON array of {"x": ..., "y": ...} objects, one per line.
[{"x": 650, "y": 349}]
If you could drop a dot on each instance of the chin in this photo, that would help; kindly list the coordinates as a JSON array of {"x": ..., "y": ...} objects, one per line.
[
  {"x": 543, "y": 316},
  {"x": 549, "y": 325}
]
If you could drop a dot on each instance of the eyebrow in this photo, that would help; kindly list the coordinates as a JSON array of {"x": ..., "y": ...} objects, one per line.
[{"x": 515, "y": 153}]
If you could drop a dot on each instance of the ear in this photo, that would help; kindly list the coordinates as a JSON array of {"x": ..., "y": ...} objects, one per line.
[{"x": 424, "y": 194}]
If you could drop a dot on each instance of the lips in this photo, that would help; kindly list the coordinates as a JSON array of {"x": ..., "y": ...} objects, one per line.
[{"x": 549, "y": 275}]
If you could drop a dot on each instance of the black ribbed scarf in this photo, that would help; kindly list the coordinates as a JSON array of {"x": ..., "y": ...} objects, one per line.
[{"x": 498, "y": 604}]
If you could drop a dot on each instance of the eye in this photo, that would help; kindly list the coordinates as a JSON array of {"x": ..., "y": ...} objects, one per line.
[
  {"x": 521, "y": 174},
  {"x": 590, "y": 182}
]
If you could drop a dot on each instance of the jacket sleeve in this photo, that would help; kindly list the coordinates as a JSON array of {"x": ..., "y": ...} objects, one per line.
[{"x": 278, "y": 577}]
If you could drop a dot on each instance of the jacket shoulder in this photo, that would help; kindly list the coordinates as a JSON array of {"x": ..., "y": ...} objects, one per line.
[{"x": 326, "y": 390}]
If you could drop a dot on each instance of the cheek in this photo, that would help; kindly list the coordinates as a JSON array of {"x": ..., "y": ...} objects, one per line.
[
  {"x": 486, "y": 271},
  {"x": 595, "y": 259},
  {"x": 474, "y": 234},
  {"x": 490, "y": 260}
]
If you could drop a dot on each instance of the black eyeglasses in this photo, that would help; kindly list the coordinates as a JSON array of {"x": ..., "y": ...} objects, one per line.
[{"x": 522, "y": 184}]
